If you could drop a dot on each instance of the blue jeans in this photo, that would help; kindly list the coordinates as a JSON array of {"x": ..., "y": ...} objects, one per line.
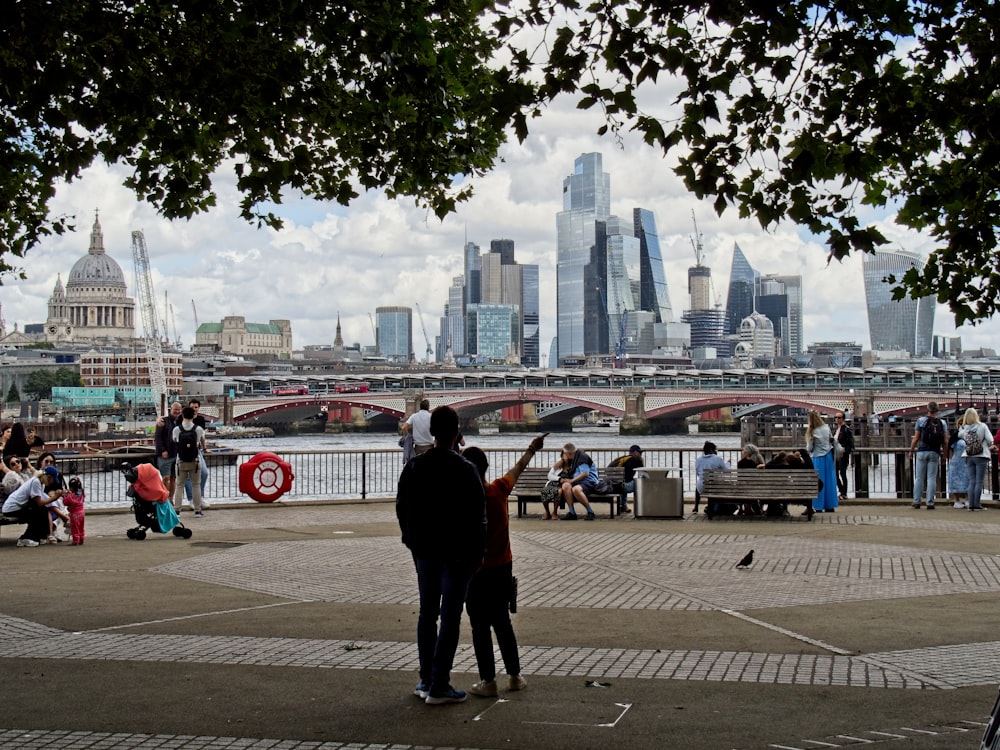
[
  {"x": 977, "y": 476},
  {"x": 925, "y": 470},
  {"x": 443, "y": 586},
  {"x": 627, "y": 487}
]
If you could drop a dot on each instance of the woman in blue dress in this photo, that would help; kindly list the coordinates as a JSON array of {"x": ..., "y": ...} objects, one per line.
[
  {"x": 958, "y": 471},
  {"x": 819, "y": 443}
]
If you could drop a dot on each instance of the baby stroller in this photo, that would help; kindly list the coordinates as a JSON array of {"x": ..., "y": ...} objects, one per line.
[{"x": 150, "y": 503}]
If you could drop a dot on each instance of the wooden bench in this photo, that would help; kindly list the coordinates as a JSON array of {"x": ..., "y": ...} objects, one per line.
[
  {"x": 766, "y": 486},
  {"x": 10, "y": 520},
  {"x": 529, "y": 488}
]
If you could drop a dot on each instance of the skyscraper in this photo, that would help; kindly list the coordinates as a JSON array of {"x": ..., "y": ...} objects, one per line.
[
  {"x": 579, "y": 308},
  {"x": 740, "y": 300},
  {"x": 653, "y": 295},
  {"x": 780, "y": 299},
  {"x": 896, "y": 325},
  {"x": 394, "y": 333}
]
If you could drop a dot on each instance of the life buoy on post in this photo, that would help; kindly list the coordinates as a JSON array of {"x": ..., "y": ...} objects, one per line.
[{"x": 266, "y": 477}]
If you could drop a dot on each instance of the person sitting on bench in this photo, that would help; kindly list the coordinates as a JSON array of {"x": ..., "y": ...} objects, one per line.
[{"x": 582, "y": 481}]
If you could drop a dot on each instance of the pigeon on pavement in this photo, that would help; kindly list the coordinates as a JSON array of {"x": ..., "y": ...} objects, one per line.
[{"x": 747, "y": 560}]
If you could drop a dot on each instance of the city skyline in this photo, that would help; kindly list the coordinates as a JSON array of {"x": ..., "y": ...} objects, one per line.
[{"x": 380, "y": 252}]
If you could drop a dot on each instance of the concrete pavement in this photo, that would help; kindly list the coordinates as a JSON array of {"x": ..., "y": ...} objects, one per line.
[{"x": 293, "y": 627}]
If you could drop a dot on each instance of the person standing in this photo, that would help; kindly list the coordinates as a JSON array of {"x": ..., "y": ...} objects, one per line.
[
  {"x": 420, "y": 423},
  {"x": 633, "y": 462},
  {"x": 166, "y": 450},
  {"x": 441, "y": 509},
  {"x": 201, "y": 422},
  {"x": 958, "y": 469},
  {"x": 843, "y": 436},
  {"x": 976, "y": 436},
  {"x": 189, "y": 438},
  {"x": 489, "y": 600},
  {"x": 74, "y": 500},
  {"x": 819, "y": 444},
  {"x": 928, "y": 439}
]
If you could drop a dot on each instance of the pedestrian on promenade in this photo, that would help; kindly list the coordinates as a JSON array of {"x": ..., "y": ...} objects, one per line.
[
  {"x": 958, "y": 470},
  {"x": 74, "y": 500},
  {"x": 928, "y": 441},
  {"x": 166, "y": 449},
  {"x": 978, "y": 440},
  {"x": 819, "y": 444},
  {"x": 710, "y": 460},
  {"x": 489, "y": 599},
  {"x": 441, "y": 508},
  {"x": 189, "y": 438},
  {"x": 419, "y": 423},
  {"x": 843, "y": 447}
]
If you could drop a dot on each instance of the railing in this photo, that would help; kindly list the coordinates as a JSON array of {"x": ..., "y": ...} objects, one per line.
[{"x": 372, "y": 474}]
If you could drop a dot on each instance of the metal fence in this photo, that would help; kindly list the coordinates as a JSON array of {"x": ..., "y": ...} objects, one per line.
[{"x": 347, "y": 475}]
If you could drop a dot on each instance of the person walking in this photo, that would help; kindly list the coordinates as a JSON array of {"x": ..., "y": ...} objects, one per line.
[
  {"x": 928, "y": 440},
  {"x": 819, "y": 444},
  {"x": 978, "y": 439},
  {"x": 492, "y": 588},
  {"x": 441, "y": 509}
]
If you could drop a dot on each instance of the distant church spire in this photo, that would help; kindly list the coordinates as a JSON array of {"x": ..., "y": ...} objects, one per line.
[
  {"x": 96, "y": 237},
  {"x": 338, "y": 340}
]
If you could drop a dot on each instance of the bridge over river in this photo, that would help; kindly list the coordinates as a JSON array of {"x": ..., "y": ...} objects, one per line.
[{"x": 641, "y": 410}]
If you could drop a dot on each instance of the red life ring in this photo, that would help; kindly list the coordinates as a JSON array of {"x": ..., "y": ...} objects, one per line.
[{"x": 265, "y": 477}]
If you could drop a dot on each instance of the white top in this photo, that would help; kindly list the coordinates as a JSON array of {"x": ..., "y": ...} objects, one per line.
[
  {"x": 19, "y": 498},
  {"x": 420, "y": 426}
]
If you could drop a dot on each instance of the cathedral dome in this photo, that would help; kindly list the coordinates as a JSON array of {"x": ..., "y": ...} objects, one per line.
[{"x": 96, "y": 268}]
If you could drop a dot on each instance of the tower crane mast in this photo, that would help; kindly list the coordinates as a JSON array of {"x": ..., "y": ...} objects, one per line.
[
  {"x": 430, "y": 349},
  {"x": 147, "y": 303}
]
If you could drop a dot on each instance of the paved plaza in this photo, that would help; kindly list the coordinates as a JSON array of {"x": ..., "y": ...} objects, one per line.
[{"x": 293, "y": 627}]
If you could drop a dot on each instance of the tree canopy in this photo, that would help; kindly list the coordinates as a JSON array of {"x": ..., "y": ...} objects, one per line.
[{"x": 813, "y": 112}]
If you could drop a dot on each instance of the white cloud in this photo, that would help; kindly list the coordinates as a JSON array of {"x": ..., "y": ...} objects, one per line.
[{"x": 329, "y": 259}]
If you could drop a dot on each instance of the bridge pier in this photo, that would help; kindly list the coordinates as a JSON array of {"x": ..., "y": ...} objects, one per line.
[
  {"x": 519, "y": 418},
  {"x": 634, "y": 420}
]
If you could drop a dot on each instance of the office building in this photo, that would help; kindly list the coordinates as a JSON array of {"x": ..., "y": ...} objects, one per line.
[
  {"x": 233, "y": 335},
  {"x": 740, "y": 299},
  {"x": 905, "y": 325},
  {"x": 494, "y": 333},
  {"x": 394, "y": 333}
]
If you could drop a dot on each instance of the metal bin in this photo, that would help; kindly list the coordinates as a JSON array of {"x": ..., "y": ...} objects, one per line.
[{"x": 658, "y": 494}]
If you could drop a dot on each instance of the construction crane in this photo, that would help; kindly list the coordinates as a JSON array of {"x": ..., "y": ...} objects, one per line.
[
  {"x": 177, "y": 334},
  {"x": 430, "y": 349},
  {"x": 147, "y": 303},
  {"x": 195, "y": 310}
]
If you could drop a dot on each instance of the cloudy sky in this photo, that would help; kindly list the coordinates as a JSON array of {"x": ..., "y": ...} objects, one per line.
[{"x": 329, "y": 259}]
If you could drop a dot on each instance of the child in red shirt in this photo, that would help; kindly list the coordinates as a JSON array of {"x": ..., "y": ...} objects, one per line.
[{"x": 74, "y": 504}]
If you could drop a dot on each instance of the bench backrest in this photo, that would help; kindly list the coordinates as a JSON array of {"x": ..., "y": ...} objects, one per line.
[{"x": 766, "y": 482}]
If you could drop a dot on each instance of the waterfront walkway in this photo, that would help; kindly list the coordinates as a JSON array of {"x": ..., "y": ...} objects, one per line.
[{"x": 293, "y": 627}]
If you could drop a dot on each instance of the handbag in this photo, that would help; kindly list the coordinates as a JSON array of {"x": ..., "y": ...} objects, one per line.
[{"x": 838, "y": 450}]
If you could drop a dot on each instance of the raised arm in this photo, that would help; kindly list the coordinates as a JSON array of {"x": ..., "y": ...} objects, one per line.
[{"x": 536, "y": 445}]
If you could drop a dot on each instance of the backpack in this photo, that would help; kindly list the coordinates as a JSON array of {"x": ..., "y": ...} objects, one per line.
[
  {"x": 933, "y": 434},
  {"x": 619, "y": 462},
  {"x": 973, "y": 442},
  {"x": 187, "y": 445}
]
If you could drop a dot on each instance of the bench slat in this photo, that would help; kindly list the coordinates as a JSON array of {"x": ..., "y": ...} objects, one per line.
[{"x": 529, "y": 488}]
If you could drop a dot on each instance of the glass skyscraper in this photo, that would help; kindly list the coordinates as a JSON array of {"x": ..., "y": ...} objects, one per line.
[
  {"x": 654, "y": 295},
  {"x": 394, "y": 333},
  {"x": 896, "y": 325},
  {"x": 579, "y": 308},
  {"x": 493, "y": 332},
  {"x": 740, "y": 299}
]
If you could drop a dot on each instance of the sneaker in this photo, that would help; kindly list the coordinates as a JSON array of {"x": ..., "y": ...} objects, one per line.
[
  {"x": 485, "y": 688},
  {"x": 590, "y": 516},
  {"x": 450, "y": 695},
  {"x": 422, "y": 690},
  {"x": 569, "y": 517},
  {"x": 516, "y": 682},
  {"x": 199, "y": 514},
  {"x": 27, "y": 543},
  {"x": 958, "y": 504},
  {"x": 930, "y": 507},
  {"x": 916, "y": 506}
]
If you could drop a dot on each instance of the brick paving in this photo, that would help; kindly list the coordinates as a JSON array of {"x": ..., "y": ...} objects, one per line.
[{"x": 689, "y": 568}]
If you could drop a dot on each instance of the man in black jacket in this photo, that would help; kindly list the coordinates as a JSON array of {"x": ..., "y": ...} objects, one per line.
[
  {"x": 441, "y": 508},
  {"x": 844, "y": 437}
]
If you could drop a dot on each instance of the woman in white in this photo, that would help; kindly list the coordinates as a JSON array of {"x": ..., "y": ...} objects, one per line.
[{"x": 977, "y": 462}]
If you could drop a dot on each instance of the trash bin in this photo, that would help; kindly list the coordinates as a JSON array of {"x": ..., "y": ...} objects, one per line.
[{"x": 658, "y": 494}]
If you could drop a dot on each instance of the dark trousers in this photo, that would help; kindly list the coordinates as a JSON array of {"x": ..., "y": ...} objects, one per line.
[
  {"x": 842, "y": 465},
  {"x": 443, "y": 586},
  {"x": 488, "y": 605},
  {"x": 37, "y": 518}
]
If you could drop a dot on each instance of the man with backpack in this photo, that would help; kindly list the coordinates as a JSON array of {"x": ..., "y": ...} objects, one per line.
[
  {"x": 928, "y": 438},
  {"x": 190, "y": 441}
]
